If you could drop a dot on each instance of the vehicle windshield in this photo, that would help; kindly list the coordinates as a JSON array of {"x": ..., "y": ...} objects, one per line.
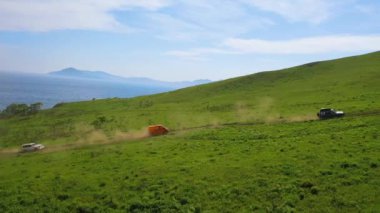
[{"x": 28, "y": 144}]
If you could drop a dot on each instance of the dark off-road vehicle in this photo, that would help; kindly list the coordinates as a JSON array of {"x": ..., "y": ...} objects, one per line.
[{"x": 326, "y": 113}]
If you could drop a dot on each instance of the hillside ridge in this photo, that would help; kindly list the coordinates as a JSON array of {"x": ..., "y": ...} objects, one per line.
[{"x": 294, "y": 94}]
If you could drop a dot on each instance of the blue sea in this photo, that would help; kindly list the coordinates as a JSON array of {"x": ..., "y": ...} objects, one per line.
[{"x": 50, "y": 90}]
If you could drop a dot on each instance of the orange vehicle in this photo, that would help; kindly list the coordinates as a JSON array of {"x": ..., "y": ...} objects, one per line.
[{"x": 156, "y": 130}]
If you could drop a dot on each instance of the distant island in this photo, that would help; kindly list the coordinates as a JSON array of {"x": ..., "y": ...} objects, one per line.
[
  {"x": 101, "y": 75},
  {"x": 75, "y": 73}
]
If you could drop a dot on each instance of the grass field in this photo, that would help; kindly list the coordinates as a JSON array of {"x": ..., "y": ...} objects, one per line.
[
  {"x": 314, "y": 166},
  {"x": 246, "y": 144},
  {"x": 351, "y": 84}
]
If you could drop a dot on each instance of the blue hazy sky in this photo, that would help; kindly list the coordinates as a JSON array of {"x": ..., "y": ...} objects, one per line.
[{"x": 182, "y": 39}]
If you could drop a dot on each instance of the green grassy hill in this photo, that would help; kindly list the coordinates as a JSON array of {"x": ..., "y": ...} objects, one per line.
[
  {"x": 350, "y": 84},
  {"x": 248, "y": 144}
]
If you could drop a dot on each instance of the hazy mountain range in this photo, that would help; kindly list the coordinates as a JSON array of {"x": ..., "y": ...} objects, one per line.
[{"x": 104, "y": 76}]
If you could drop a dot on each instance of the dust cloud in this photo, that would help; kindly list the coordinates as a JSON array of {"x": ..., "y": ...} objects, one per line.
[
  {"x": 93, "y": 137},
  {"x": 100, "y": 137},
  {"x": 264, "y": 111},
  {"x": 90, "y": 137},
  {"x": 131, "y": 135}
]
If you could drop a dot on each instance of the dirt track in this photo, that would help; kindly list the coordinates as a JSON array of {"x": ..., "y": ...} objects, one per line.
[
  {"x": 99, "y": 138},
  {"x": 93, "y": 138}
]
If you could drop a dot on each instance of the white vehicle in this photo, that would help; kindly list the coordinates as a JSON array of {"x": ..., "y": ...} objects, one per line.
[{"x": 31, "y": 147}]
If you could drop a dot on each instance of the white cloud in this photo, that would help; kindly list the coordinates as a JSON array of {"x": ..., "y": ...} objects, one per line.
[
  {"x": 211, "y": 19},
  {"x": 312, "y": 45},
  {"x": 228, "y": 16},
  {"x": 313, "y": 11},
  {"x": 171, "y": 28},
  {"x": 197, "y": 54},
  {"x": 184, "y": 19},
  {"x": 46, "y": 15}
]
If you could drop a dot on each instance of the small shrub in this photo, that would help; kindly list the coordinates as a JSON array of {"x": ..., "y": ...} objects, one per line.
[
  {"x": 373, "y": 165},
  {"x": 84, "y": 209},
  {"x": 183, "y": 201},
  {"x": 301, "y": 196},
  {"x": 307, "y": 184},
  {"x": 197, "y": 210},
  {"x": 346, "y": 165},
  {"x": 63, "y": 197},
  {"x": 314, "y": 190},
  {"x": 99, "y": 122},
  {"x": 324, "y": 173}
]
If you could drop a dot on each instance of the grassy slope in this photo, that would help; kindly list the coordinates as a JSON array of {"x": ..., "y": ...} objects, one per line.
[
  {"x": 314, "y": 166},
  {"x": 351, "y": 84},
  {"x": 320, "y": 166}
]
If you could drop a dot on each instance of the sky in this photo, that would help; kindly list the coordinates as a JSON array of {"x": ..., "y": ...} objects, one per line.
[{"x": 175, "y": 40}]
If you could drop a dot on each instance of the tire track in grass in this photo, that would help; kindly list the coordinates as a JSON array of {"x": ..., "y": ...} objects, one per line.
[{"x": 99, "y": 138}]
